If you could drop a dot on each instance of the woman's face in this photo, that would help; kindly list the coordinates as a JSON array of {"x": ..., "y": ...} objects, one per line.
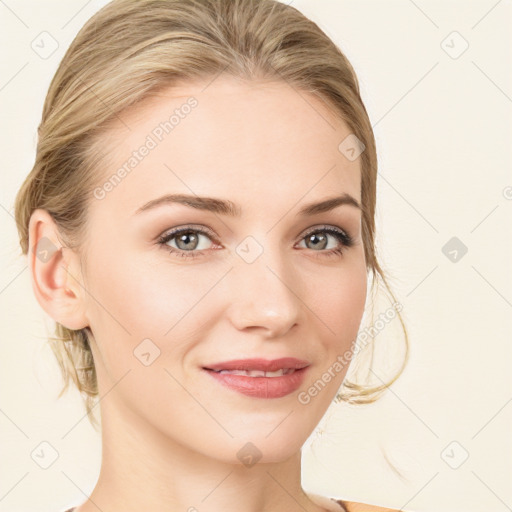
[{"x": 257, "y": 284}]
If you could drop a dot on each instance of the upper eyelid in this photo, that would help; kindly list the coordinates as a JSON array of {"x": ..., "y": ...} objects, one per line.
[
  {"x": 192, "y": 227},
  {"x": 321, "y": 227}
]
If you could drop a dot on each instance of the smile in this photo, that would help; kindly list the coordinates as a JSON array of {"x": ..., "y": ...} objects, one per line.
[
  {"x": 260, "y": 378},
  {"x": 258, "y": 373}
]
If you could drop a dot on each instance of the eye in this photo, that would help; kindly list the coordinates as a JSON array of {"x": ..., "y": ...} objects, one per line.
[
  {"x": 317, "y": 238},
  {"x": 188, "y": 241}
]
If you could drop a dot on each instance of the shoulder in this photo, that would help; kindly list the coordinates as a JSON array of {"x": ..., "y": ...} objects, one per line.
[
  {"x": 337, "y": 505},
  {"x": 352, "y": 506}
]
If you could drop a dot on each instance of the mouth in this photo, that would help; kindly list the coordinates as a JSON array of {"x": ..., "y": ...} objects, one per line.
[
  {"x": 255, "y": 373},
  {"x": 259, "y": 367},
  {"x": 260, "y": 378}
]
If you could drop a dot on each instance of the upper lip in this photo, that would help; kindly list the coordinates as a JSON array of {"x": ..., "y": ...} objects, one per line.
[{"x": 259, "y": 364}]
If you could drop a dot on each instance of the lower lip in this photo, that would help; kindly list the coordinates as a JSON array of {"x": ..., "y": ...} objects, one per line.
[{"x": 261, "y": 387}]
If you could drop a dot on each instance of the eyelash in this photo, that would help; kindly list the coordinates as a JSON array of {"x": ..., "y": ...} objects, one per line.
[{"x": 345, "y": 240}]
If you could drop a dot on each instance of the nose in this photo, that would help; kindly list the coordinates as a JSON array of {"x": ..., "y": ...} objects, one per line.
[{"x": 264, "y": 297}]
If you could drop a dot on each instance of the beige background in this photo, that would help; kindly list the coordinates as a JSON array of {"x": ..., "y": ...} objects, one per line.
[{"x": 443, "y": 130}]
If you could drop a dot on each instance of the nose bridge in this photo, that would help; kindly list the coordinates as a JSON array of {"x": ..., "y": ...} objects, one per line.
[{"x": 263, "y": 288}]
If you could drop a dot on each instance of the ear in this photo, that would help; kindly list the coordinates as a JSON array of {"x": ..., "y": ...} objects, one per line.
[{"x": 55, "y": 273}]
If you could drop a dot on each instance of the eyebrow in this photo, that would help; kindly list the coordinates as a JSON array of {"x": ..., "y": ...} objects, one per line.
[{"x": 226, "y": 207}]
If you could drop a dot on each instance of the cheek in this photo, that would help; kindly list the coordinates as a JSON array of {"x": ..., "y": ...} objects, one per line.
[
  {"x": 339, "y": 304},
  {"x": 133, "y": 299}
]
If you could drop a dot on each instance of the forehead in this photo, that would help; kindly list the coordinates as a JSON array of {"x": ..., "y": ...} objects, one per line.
[{"x": 245, "y": 141}]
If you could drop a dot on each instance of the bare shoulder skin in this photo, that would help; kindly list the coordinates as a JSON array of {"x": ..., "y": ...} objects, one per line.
[
  {"x": 332, "y": 505},
  {"x": 353, "y": 506}
]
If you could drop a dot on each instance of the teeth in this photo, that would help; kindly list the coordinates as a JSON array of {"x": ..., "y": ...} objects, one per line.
[{"x": 259, "y": 373}]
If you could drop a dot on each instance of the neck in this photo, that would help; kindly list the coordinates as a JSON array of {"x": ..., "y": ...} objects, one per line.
[{"x": 143, "y": 469}]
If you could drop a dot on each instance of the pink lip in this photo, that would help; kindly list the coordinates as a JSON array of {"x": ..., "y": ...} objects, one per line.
[{"x": 261, "y": 387}]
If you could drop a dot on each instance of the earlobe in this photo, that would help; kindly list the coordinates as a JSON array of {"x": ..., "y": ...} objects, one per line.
[{"x": 54, "y": 273}]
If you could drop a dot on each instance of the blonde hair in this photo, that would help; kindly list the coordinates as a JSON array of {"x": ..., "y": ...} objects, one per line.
[{"x": 131, "y": 49}]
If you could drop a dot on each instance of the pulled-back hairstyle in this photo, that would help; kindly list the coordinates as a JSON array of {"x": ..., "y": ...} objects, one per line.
[{"x": 130, "y": 50}]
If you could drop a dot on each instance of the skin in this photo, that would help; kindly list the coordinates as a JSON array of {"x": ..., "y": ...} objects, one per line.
[{"x": 170, "y": 432}]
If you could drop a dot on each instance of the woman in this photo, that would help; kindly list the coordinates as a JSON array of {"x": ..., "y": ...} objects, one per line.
[{"x": 199, "y": 223}]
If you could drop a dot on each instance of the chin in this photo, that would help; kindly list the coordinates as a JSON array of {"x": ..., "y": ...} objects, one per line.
[{"x": 256, "y": 448}]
